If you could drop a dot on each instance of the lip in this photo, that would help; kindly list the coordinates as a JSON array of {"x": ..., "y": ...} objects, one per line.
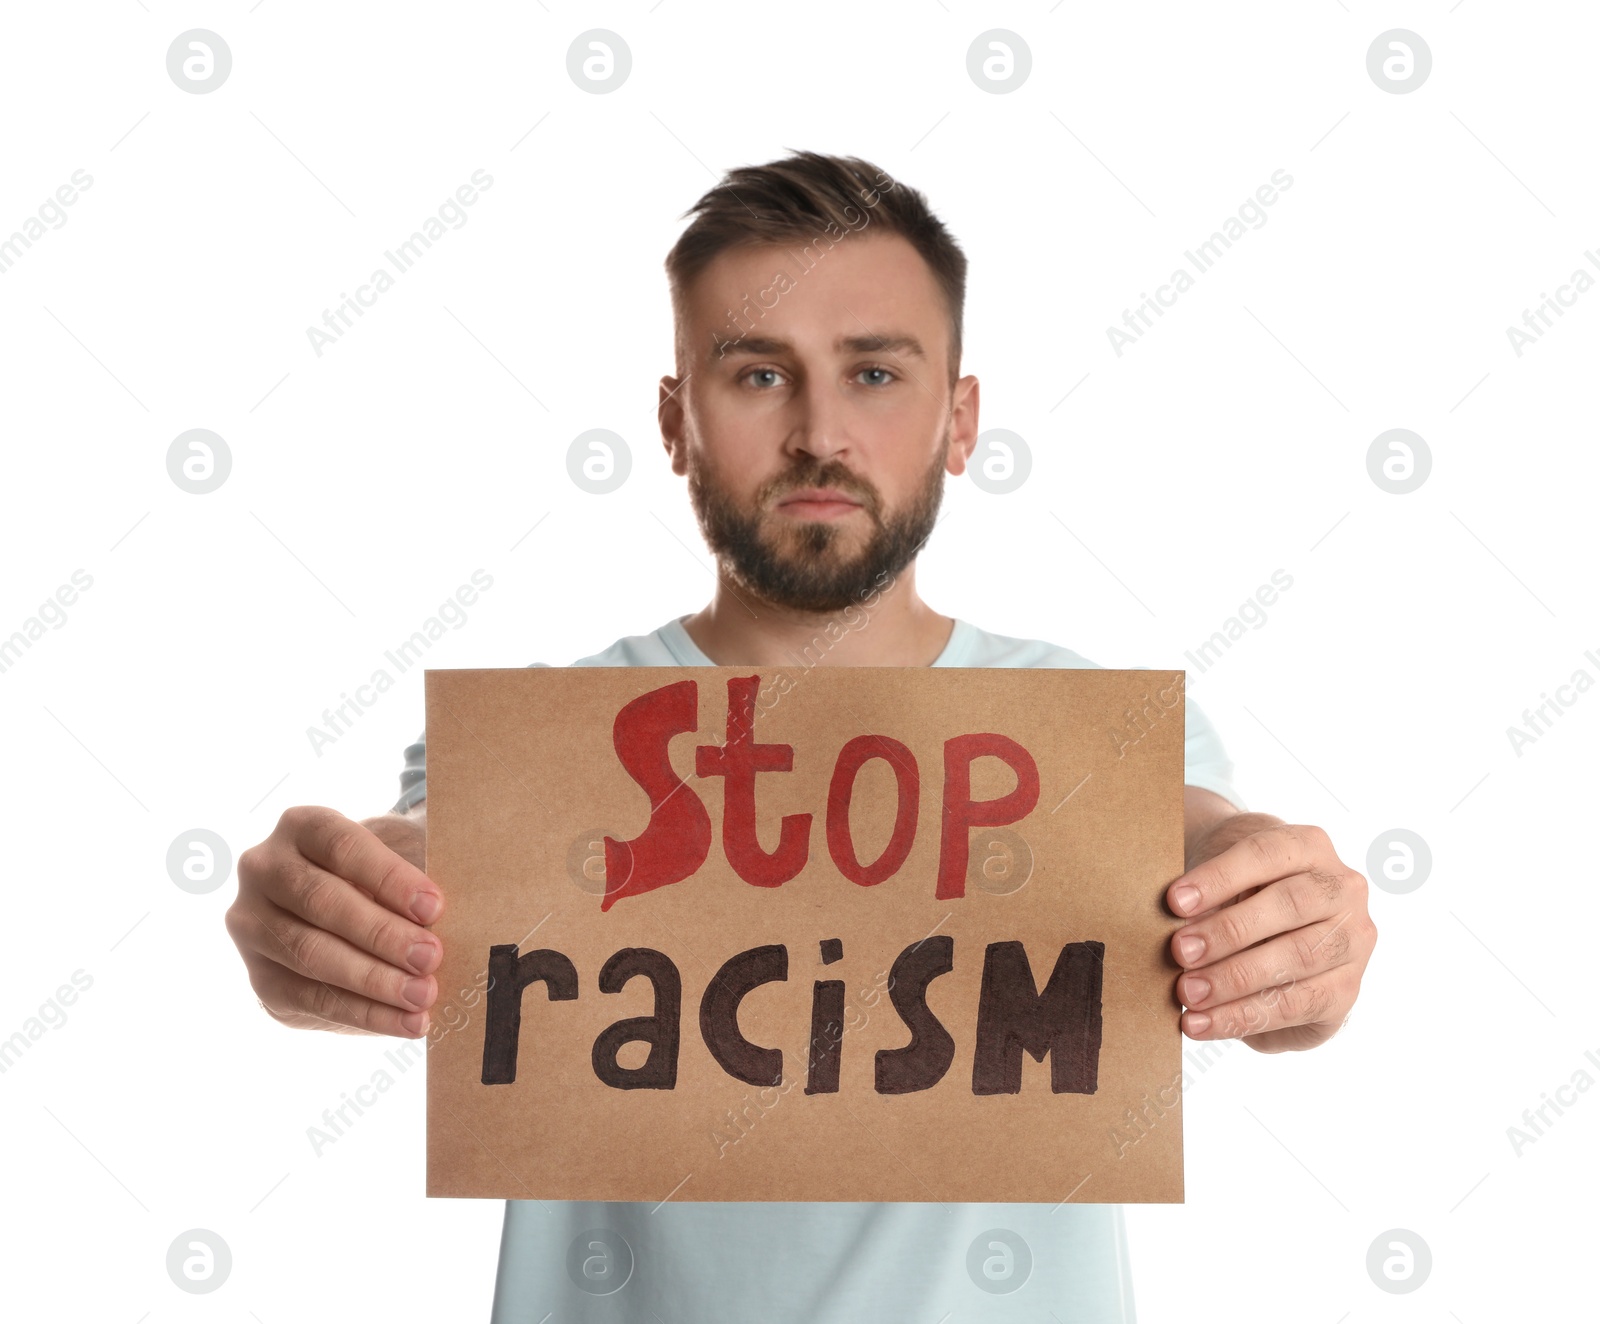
[{"x": 817, "y": 503}]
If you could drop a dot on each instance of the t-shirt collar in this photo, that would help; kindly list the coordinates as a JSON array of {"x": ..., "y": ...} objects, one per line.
[{"x": 686, "y": 653}]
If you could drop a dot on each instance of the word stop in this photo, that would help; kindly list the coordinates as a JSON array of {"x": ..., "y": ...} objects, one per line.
[
  {"x": 677, "y": 839},
  {"x": 1063, "y": 1020}
]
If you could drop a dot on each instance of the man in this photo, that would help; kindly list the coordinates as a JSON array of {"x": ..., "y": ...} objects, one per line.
[{"x": 815, "y": 412}]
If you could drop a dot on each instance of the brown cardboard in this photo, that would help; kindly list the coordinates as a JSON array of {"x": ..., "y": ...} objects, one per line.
[{"x": 525, "y": 783}]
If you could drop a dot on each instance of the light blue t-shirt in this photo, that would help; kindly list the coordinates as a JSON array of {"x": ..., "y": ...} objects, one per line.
[{"x": 822, "y": 1263}]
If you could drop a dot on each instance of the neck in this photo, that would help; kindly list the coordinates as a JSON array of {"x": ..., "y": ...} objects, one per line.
[{"x": 890, "y": 627}]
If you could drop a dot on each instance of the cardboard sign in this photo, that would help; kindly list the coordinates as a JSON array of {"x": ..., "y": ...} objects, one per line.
[{"x": 717, "y": 933}]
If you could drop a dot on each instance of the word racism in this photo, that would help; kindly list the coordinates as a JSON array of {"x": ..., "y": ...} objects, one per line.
[
  {"x": 1202, "y": 258},
  {"x": 1538, "y": 320},
  {"x": 1538, "y": 721},
  {"x": 402, "y": 258},
  {"x": 339, "y": 719},
  {"x": 1064, "y": 1020},
  {"x": 819, "y": 247}
]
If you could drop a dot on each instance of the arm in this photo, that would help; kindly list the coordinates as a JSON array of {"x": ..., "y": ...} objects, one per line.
[{"x": 1282, "y": 973}]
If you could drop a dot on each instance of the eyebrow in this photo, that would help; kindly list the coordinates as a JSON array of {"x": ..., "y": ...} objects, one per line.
[{"x": 887, "y": 342}]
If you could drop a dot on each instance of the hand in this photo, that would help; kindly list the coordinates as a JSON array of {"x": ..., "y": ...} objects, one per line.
[
  {"x": 329, "y": 920},
  {"x": 1284, "y": 936}
]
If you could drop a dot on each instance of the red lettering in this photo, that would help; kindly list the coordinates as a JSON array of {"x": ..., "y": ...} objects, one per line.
[
  {"x": 737, "y": 762},
  {"x": 677, "y": 839},
  {"x": 962, "y": 812},
  {"x": 840, "y": 845}
]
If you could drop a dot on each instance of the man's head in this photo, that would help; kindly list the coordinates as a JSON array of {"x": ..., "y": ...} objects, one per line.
[{"x": 817, "y": 405}]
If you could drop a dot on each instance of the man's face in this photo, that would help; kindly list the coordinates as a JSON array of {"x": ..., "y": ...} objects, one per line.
[{"x": 816, "y": 420}]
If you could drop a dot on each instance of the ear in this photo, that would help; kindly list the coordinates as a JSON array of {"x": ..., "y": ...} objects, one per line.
[
  {"x": 963, "y": 425},
  {"x": 669, "y": 413}
]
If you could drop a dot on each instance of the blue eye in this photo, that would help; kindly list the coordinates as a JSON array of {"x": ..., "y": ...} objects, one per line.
[{"x": 884, "y": 371}]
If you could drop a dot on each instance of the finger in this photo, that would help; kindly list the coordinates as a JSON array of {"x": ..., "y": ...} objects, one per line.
[
  {"x": 328, "y": 902},
  {"x": 1281, "y": 907},
  {"x": 355, "y": 853},
  {"x": 1262, "y": 857},
  {"x": 1305, "y": 1002},
  {"x": 324, "y": 957},
  {"x": 312, "y": 1004},
  {"x": 1291, "y": 956}
]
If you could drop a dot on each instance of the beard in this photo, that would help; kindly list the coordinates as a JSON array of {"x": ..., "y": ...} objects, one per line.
[{"x": 808, "y": 565}]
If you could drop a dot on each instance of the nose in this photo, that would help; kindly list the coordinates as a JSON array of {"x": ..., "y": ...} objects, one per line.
[{"x": 821, "y": 428}]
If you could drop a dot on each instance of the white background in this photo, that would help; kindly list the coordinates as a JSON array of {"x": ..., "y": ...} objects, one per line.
[{"x": 368, "y": 483}]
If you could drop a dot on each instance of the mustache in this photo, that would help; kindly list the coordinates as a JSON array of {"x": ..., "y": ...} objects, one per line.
[{"x": 811, "y": 472}]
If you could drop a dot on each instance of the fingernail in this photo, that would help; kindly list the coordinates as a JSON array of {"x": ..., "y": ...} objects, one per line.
[
  {"x": 416, "y": 992},
  {"x": 1185, "y": 897},
  {"x": 1191, "y": 947},
  {"x": 1196, "y": 990},
  {"x": 425, "y": 907},
  {"x": 421, "y": 956},
  {"x": 1199, "y": 1022},
  {"x": 414, "y": 1021}
]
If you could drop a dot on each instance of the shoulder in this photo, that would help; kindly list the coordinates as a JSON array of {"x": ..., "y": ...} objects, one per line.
[{"x": 634, "y": 650}]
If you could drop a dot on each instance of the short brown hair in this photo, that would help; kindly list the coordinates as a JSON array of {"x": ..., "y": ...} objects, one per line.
[{"x": 811, "y": 197}]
